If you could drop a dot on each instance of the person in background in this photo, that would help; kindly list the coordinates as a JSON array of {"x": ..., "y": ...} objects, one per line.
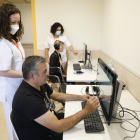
[
  {"x": 32, "y": 113},
  {"x": 57, "y": 31},
  {"x": 11, "y": 57},
  {"x": 55, "y": 58}
]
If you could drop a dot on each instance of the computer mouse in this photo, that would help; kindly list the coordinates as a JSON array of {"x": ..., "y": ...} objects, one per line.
[
  {"x": 81, "y": 61},
  {"x": 78, "y": 72}
]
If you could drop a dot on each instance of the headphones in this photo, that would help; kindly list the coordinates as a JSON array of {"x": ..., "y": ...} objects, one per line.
[{"x": 57, "y": 45}]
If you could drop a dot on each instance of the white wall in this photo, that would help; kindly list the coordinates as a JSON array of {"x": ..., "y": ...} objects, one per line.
[
  {"x": 112, "y": 26},
  {"x": 26, "y": 16},
  {"x": 81, "y": 20},
  {"x": 120, "y": 36}
]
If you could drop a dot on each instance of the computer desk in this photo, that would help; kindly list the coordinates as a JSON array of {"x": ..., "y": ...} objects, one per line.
[
  {"x": 89, "y": 74},
  {"x": 112, "y": 132}
]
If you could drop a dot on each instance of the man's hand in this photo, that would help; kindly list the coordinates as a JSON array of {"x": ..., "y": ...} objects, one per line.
[
  {"x": 85, "y": 97},
  {"x": 92, "y": 104},
  {"x": 104, "y": 98}
]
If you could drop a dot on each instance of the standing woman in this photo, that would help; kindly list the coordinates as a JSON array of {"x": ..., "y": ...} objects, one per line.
[
  {"x": 57, "y": 30},
  {"x": 11, "y": 57}
]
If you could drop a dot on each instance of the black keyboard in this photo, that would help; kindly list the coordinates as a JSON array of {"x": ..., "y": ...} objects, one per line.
[
  {"x": 93, "y": 121},
  {"x": 76, "y": 67}
]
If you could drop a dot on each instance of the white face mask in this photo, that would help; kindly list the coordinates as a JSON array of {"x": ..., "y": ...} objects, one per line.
[
  {"x": 58, "y": 32},
  {"x": 14, "y": 29}
]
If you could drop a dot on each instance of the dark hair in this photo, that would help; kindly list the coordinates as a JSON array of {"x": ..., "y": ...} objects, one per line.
[
  {"x": 6, "y": 10},
  {"x": 55, "y": 26},
  {"x": 29, "y": 65},
  {"x": 57, "y": 44}
]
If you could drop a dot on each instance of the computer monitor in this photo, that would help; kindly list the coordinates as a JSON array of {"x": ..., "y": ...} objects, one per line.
[
  {"x": 119, "y": 87},
  {"x": 110, "y": 90},
  {"x": 85, "y": 53},
  {"x": 87, "y": 56}
]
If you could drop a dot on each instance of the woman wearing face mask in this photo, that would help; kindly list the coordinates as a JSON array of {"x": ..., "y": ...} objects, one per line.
[
  {"x": 57, "y": 30},
  {"x": 11, "y": 57}
]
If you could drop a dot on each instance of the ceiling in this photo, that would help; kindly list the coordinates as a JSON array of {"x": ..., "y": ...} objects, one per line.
[{"x": 15, "y": 1}]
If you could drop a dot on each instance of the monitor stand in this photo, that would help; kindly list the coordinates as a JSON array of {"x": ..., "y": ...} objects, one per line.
[
  {"x": 118, "y": 120},
  {"x": 119, "y": 86},
  {"x": 113, "y": 120},
  {"x": 88, "y": 66}
]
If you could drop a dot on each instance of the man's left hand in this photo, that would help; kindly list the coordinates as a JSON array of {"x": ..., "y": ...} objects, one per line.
[{"x": 85, "y": 97}]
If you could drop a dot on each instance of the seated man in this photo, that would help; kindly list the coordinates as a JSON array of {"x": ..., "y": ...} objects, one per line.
[{"x": 31, "y": 108}]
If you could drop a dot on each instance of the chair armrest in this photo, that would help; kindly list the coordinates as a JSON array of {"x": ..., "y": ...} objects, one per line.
[
  {"x": 59, "y": 69},
  {"x": 54, "y": 76}
]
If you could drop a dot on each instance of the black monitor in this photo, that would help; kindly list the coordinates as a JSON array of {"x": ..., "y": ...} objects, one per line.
[
  {"x": 110, "y": 90},
  {"x": 85, "y": 53},
  {"x": 87, "y": 56}
]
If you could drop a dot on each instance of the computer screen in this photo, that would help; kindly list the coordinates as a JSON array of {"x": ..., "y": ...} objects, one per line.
[
  {"x": 86, "y": 56},
  {"x": 85, "y": 53},
  {"x": 109, "y": 89}
]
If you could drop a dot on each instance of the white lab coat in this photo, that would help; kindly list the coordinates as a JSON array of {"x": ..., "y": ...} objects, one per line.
[
  {"x": 50, "y": 44},
  {"x": 10, "y": 59}
]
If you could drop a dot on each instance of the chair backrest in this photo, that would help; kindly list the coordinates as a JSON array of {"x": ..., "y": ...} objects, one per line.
[
  {"x": 55, "y": 79},
  {"x": 57, "y": 71},
  {"x": 62, "y": 88},
  {"x": 14, "y": 126}
]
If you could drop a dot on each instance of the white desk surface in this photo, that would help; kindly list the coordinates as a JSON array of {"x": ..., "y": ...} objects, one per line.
[
  {"x": 88, "y": 76},
  {"x": 112, "y": 132}
]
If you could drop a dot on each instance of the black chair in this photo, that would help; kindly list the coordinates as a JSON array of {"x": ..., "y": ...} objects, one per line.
[
  {"x": 14, "y": 126},
  {"x": 55, "y": 79},
  {"x": 56, "y": 76},
  {"x": 57, "y": 71},
  {"x": 60, "y": 79},
  {"x": 62, "y": 87}
]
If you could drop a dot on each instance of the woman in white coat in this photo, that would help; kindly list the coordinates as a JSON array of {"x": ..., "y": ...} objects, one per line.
[
  {"x": 57, "y": 30},
  {"x": 11, "y": 57}
]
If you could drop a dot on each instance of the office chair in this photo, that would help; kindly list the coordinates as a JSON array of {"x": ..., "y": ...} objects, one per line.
[
  {"x": 14, "y": 126},
  {"x": 62, "y": 82},
  {"x": 62, "y": 87},
  {"x": 55, "y": 79},
  {"x": 57, "y": 71}
]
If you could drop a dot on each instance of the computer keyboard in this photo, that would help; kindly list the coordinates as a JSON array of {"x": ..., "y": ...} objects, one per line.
[
  {"x": 93, "y": 121},
  {"x": 76, "y": 67}
]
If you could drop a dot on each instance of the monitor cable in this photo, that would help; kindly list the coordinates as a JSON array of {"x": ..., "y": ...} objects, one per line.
[
  {"x": 82, "y": 89},
  {"x": 80, "y": 56},
  {"x": 123, "y": 109}
]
